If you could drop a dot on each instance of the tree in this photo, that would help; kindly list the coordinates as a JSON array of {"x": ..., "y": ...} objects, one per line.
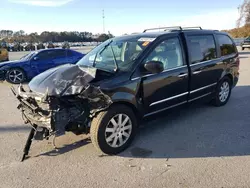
[
  {"x": 22, "y": 32},
  {"x": 6, "y": 33},
  {"x": 244, "y": 10},
  {"x": 103, "y": 37},
  {"x": 33, "y": 37},
  {"x": 46, "y": 36}
]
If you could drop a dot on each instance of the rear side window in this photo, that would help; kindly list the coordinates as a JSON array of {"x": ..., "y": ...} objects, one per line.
[
  {"x": 202, "y": 48},
  {"x": 227, "y": 46},
  {"x": 59, "y": 54},
  {"x": 44, "y": 55}
]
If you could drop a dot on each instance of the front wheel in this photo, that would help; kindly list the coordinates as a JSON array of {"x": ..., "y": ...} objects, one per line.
[
  {"x": 15, "y": 76},
  {"x": 223, "y": 92},
  {"x": 113, "y": 130}
]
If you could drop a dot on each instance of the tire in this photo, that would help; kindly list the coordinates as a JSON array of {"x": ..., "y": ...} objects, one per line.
[
  {"x": 243, "y": 49},
  {"x": 224, "y": 89},
  {"x": 15, "y": 76},
  {"x": 110, "y": 142}
]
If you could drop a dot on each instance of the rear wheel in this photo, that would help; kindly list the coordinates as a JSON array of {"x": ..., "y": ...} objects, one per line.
[
  {"x": 113, "y": 130},
  {"x": 223, "y": 92},
  {"x": 15, "y": 76}
]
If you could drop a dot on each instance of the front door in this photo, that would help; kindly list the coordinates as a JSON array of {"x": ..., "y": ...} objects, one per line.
[
  {"x": 170, "y": 87},
  {"x": 42, "y": 61}
]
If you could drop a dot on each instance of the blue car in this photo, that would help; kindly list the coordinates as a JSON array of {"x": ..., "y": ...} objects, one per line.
[{"x": 35, "y": 63}]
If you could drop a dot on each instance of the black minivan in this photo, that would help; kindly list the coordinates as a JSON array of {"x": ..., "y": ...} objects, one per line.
[{"x": 127, "y": 78}]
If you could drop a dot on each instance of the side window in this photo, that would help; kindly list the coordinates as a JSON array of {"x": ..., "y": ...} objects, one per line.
[
  {"x": 44, "y": 55},
  {"x": 105, "y": 59},
  {"x": 227, "y": 46},
  {"x": 202, "y": 48},
  {"x": 169, "y": 53},
  {"x": 58, "y": 54}
]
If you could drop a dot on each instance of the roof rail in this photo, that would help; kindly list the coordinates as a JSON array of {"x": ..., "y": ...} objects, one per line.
[
  {"x": 175, "y": 28},
  {"x": 197, "y": 27}
]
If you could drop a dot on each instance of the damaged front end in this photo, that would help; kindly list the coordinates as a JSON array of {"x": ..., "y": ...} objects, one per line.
[{"x": 67, "y": 104}]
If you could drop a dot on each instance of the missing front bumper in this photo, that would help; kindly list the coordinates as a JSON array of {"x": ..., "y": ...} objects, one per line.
[
  {"x": 51, "y": 116},
  {"x": 56, "y": 115}
]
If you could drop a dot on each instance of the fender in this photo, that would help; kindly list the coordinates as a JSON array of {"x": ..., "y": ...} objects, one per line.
[
  {"x": 130, "y": 94},
  {"x": 129, "y": 100},
  {"x": 229, "y": 71}
]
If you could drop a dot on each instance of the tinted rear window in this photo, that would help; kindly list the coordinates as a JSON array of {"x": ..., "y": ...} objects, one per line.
[
  {"x": 202, "y": 48},
  {"x": 227, "y": 46}
]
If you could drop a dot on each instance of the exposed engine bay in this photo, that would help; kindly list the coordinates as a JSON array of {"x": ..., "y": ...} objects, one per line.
[{"x": 61, "y": 99}]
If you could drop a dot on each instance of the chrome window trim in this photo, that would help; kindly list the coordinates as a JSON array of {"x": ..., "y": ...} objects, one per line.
[
  {"x": 204, "y": 62},
  {"x": 168, "y": 99},
  {"x": 228, "y": 56},
  {"x": 200, "y": 97},
  {"x": 155, "y": 112},
  {"x": 180, "y": 67},
  {"x": 167, "y": 70},
  {"x": 191, "y": 92}
]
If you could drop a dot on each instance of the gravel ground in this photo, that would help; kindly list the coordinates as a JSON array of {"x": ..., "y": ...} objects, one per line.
[{"x": 201, "y": 146}]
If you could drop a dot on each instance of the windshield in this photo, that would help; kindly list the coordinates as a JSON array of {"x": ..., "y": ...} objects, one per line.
[
  {"x": 28, "y": 56},
  {"x": 115, "y": 54}
]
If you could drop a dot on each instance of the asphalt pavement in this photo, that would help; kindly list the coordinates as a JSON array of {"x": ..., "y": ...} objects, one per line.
[{"x": 199, "y": 146}]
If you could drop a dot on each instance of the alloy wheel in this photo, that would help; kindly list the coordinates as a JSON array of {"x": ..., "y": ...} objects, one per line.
[
  {"x": 118, "y": 130},
  {"x": 16, "y": 76},
  {"x": 224, "y": 91}
]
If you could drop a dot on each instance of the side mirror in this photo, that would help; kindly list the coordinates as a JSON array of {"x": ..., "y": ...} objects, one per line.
[
  {"x": 36, "y": 58},
  {"x": 154, "y": 66}
]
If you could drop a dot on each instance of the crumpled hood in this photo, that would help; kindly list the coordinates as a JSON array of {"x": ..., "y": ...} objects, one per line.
[{"x": 63, "y": 80}]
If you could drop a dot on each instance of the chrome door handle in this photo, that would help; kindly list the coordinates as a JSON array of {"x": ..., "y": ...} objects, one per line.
[
  {"x": 197, "y": 72},
  {"x": 182, "y": 75}
]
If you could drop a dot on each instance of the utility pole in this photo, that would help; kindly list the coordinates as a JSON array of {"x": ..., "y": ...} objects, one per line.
[{"x": 103, "y": 17}]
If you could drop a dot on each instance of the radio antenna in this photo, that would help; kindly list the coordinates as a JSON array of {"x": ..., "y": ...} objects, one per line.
[{"x": 103, "y": 19}]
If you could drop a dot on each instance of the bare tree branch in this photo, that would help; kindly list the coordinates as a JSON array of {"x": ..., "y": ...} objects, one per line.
[{"x": 244, "y": 10}]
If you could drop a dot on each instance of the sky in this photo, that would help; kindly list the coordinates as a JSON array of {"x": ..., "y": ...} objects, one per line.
[{"x": 121, "y": 16}]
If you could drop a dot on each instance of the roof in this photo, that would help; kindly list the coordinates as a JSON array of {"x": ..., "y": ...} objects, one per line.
[
  {"x": 150, "y": 35},
  {"x": 49, "y": 49},
  {"x": 160, "y": 33}
]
